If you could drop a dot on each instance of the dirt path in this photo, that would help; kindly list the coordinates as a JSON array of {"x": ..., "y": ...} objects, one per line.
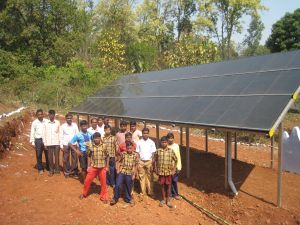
[{"x": 29, "y": 198}]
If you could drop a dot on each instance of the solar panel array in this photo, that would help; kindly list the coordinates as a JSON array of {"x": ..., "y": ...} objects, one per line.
[{"x": 248, "y": 93}]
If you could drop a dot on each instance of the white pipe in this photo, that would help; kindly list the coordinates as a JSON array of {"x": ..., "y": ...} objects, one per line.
[{"x": 229, "y": 163}]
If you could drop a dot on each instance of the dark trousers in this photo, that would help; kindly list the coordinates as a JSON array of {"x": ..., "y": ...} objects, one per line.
[
  {"x": 53, "y": 153},
  {"x": 128, "y": 185},
  {"x": 73, "y": 167},
  {"x": 174, "y": 187},
  {"x": 39, "y": 149},
  {"x": 111, "y": 176}
]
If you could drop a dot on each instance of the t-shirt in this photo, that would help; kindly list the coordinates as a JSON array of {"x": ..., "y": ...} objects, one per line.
[
  {"x": 120, "y": 137},
  {"x": 136, "y": 136},
  {"x": 175, "y": 148},
  {"x": 83, "y": 140}
]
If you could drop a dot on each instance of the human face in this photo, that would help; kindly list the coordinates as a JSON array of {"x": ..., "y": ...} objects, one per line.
[
  {"x": 170, "y": 141},
  {"x": 106, "y": 121},
  {"x": 51, "y": 117},
  {"x": 40, "y": 116},
  {"x": 97, "y": 140},
  {"x": 145, "y": 135},
  {"x": 100, "y": 122},
  {"x": 69, "y": 120},
  {"x": 84, "y": 128},
  {"x": 128, "y": 138},
  {"x": 132, "y": 128},
  {"x": 123, "y": 128},
  {"x": 107, "y": 131},
  {"x": 164, "y": 144},
  {"x": 129, "y": 149},
  {"x": 94, "y": 123}
]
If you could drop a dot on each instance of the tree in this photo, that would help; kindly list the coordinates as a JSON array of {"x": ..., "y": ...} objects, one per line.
[
  {"x": 285, "y": 33},
  {"x": 222, "y": 18}
]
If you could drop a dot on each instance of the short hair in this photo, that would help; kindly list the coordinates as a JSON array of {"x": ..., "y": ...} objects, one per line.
[
  {"x": 94, "y": 118},
  {"x": 145, "y": 129},
  {"x": 163, "y": 138},
  {"x": 132, "y": 123},
  {"x": 99, "y": 118},
  {"x": 128, "y": 134},
  {"x": 51, "y": 112},
  {"x": 96, "y": 135},
  {"x": 39, "y": 110},
  {"x": 83, "y": 122},
  {"x": 123, "y": 123},
  {"x": 128, "y": 143},
  {"x": 69, "y": 115},
  {"x": 106, "y": 127},
  {"x": 170, "y": 135},
  {"x": 105, "y": 117}
]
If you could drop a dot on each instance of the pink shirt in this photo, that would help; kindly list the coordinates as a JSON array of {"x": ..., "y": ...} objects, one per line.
[
  {"x": 51, "y": 133},
  {"x": 120, "y": 137}
]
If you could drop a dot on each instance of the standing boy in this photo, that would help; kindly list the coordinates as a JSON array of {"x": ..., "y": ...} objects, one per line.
[
  {"x": 99, "y": 166},
  {"x": 126, "y": 170},
  {"x": 145, "y": 148},
  {"x": 83, "y": 139},
  {"x": 67, "y": 132},
  {"x": 121, "y": 134},
  {"x": 175, "y": 148},
  {"x": 122, "y": 146},
  {"x": 136, "y": 134},
  {"x": 112, "y": 146},
  {"x": 51, "y": 141},
  {"x": 164, "y": 166},
  {"x": 36, "y": 139}
]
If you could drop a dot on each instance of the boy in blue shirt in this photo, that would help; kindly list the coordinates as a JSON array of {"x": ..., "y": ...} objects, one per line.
[{"x": 83, "y": 139}]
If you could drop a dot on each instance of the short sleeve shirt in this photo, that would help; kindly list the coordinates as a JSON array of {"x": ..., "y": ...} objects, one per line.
[
  {"x": 128, "y": 163},
  {"x": 98, "y": 155},
  {"x": 166, "y": 161},
  {"x": 83, "y": 140}
]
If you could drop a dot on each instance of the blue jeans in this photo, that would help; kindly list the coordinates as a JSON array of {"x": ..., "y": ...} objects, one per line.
[
  {"x": 174, "y": 187},
  {"x": 128, "y": 185},
  {"x": 111, "y": 176}
]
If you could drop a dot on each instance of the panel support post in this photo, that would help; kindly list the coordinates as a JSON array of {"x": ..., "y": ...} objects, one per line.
[
  {"x": 206, "y": 140},
  {"x": 272, "y": 151},
  {"x": 235, "y": 146},
  {"x": 228, "y": 164},
  {"x": 157, "y": 134},
  {"x": 88, "y": 120},
  {"x": 188, "y": 172},
  {"x": 279, "y": 181},
  {"x": 78, "y": 120},
  {"x": 181, "y": 135},
  {"x": 117, "y": 123}
]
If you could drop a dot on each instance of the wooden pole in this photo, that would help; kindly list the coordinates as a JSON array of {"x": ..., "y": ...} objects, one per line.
[
  {"x": 157, "y": 135},
  {"x": 188, "y": 172},
  {"x": 78, "y": 121},
  {"x": 279, "y": 181},
  {"x": 272, "y": 151},
  {"x": 88, "y": 119},
  {"x": 181, "y": 136},
  {"x": 206, "y": 140}
]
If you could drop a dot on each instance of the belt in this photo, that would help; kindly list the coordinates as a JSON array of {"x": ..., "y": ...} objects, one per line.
[
  {"x": 146, "y": 160},
  {"x": 38, "y": 138}
]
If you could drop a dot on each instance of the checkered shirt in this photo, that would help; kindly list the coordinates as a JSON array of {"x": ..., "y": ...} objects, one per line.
[
  {"x": 165, "y": 161},
  {"x": 111, "y": 145},
  {"x": 98, "y": 155},
  {"x": 128, "y": 163}
]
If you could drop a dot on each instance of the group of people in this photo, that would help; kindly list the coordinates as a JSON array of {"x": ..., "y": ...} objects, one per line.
[{"x": 117, "y": 159}]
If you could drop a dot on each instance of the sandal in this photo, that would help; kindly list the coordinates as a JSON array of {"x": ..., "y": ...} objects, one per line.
[{"x": 162, "y": 203}]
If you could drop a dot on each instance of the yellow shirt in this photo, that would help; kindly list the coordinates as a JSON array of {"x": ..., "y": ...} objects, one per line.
[{"x": 175, "y": 148}]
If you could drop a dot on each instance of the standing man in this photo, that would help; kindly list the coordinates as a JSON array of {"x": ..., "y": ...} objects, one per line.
[
  {"x": 146, "y": 148},
  {"x": 83, "y": 139},
  {"x": 94, "y": 128},
  {"x": 101, "y": 126},
  {"x": 121, "y": 134},
  {"x": 136, "y": 134},
  {"x": 51, "y": 141},
  {"x": 36, "y": 139},
  {"x": 112, "y": 146},
  {"x": 105, "y": 120},
  {"x": 176, "y": 150},
  {"x": 67, "y": 132}
]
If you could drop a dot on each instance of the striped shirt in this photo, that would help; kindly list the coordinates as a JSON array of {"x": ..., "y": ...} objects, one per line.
[
  {"x": 111, "y": 145},
  {"x": 51, "y": 133},
  {"x": 128, "y": 163},
  {"x": 166, "y": 161},
  {"x": 98, "y": 155}
]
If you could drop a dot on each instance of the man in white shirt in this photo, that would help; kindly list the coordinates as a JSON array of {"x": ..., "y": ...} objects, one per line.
[
  {"x": 95, "y": 128},
  {"x": 67, "y": 132},
  {"x": 136, "y": 134},
  {"x": 36, "y": 139},
  {"x": 146, "y": 148},
  {"x": 101, "y": 126},
  {"x": 52, "y": 142}
]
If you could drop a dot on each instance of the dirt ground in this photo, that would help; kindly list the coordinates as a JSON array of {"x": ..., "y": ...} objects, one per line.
[{"x": 29, "y": 198}]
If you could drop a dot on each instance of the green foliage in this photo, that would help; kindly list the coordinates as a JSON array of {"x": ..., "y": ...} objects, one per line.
[{"x": 285, "y": 33}]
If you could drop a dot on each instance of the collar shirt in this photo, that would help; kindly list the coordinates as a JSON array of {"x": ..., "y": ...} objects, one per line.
[
  {"x": 120, "y": 137},
  {"x": 67, "y": 132},
  {"x": 145, "y": 148},
  {"x": 37, "y": 129},
  {"x": 83, "y": 140},
  {"x": 136, "y": 135},
  {"x": 99, "y": 155},
  {"x": 129, "y": 161},
  {"x": 175, "y": 148},
  {"x": 51, "y": 133},
  {"x": 166, "y": 161},
  {"x": 111, "y": 145},
  {"x": 92, "y": 130}
]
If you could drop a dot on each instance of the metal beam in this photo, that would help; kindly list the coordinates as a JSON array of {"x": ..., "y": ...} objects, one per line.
[
  {"x": 272, "y": 151},
  {"x": 188, "y": 172},
  {"x": 117, "y": 123},
  {"x": 279, "y": 179},
  {"x": 235, "y": 146},
  {"x": 228, "y": 164},
  {"x": 157, "y": 135},
  {"x": 206, "y": 140}
]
